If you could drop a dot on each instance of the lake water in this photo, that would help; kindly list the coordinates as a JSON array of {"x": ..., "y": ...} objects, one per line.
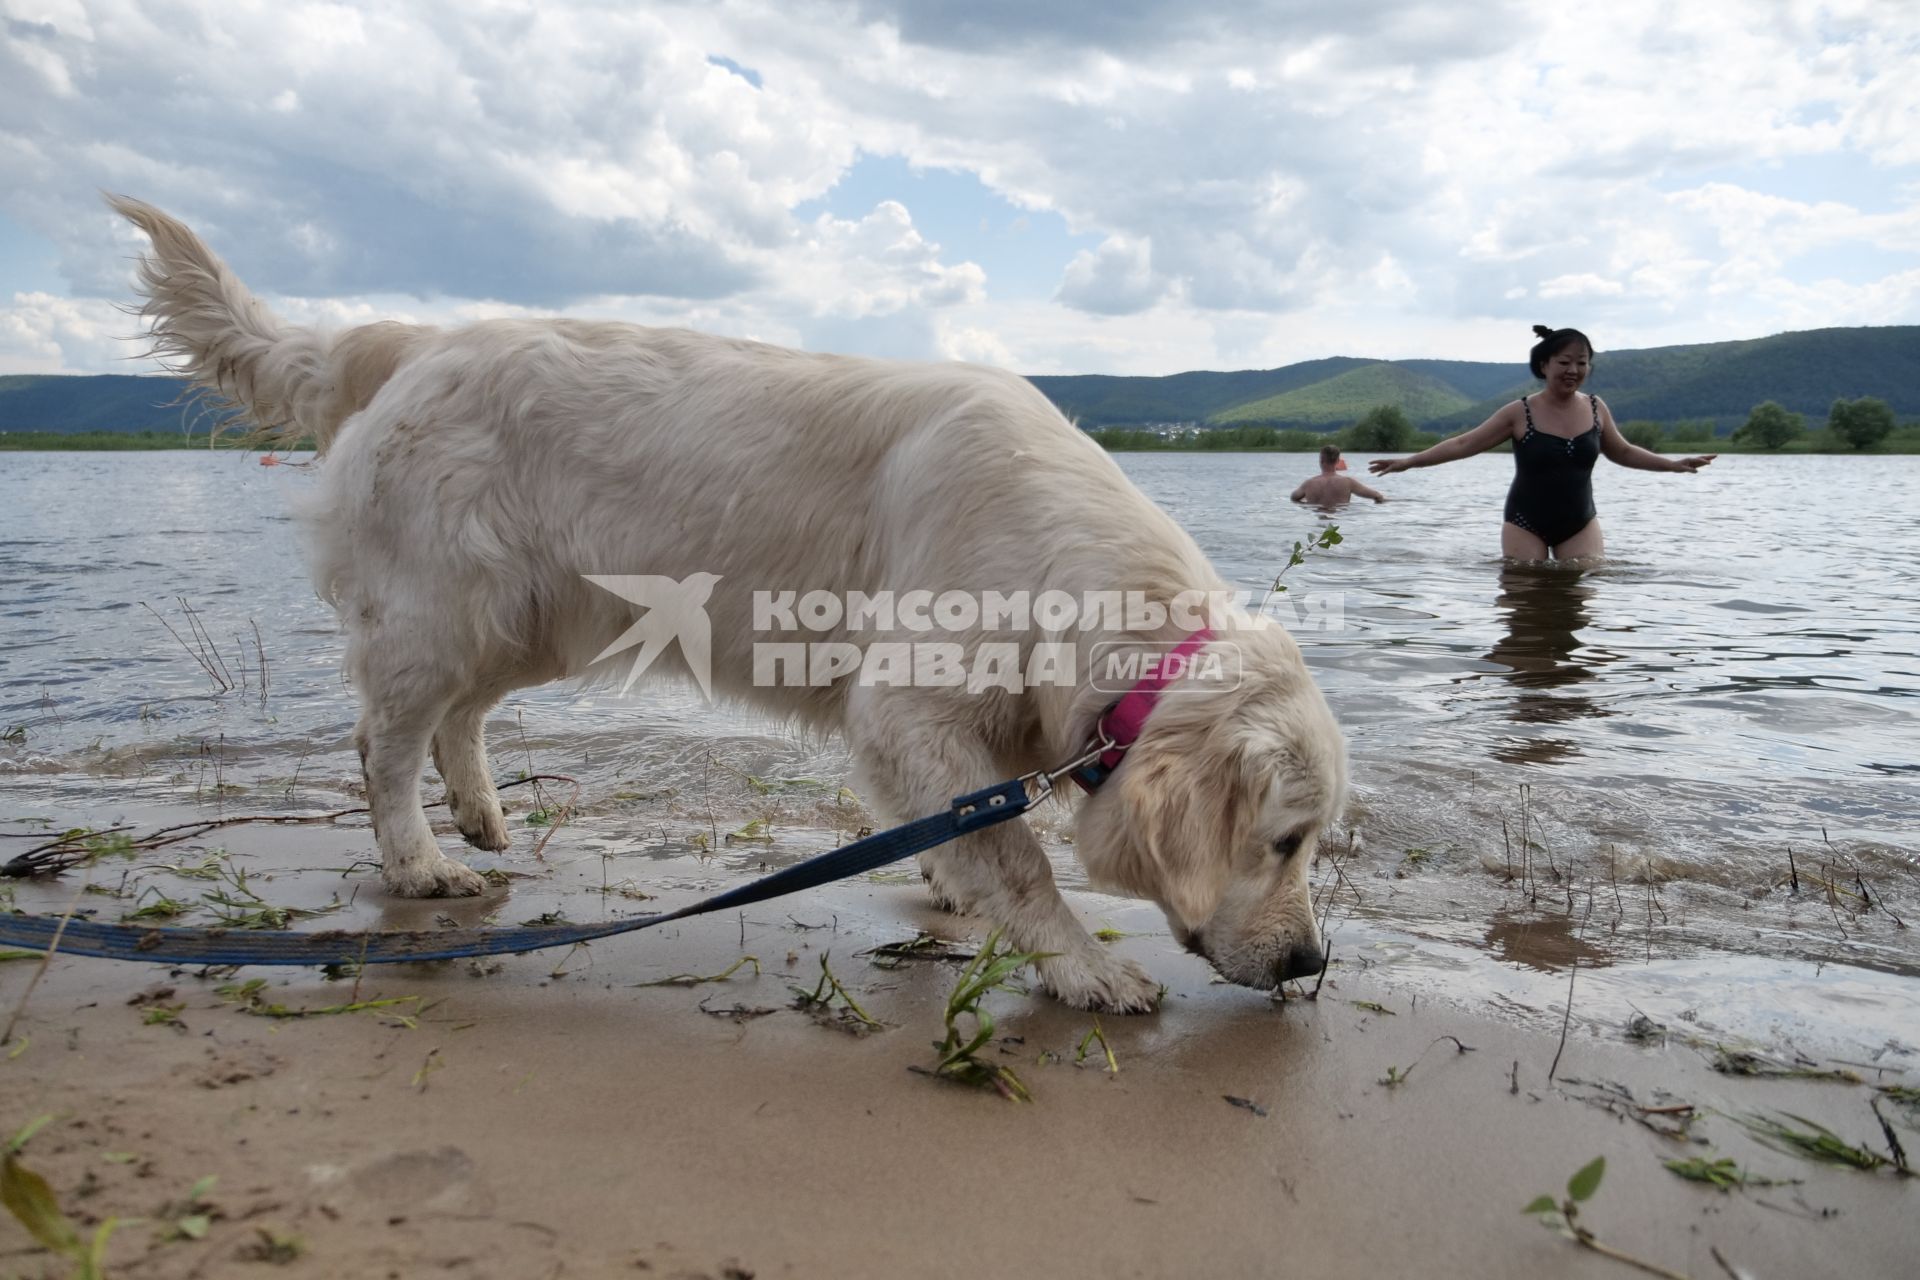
[{"x": 1738, "y": 678}]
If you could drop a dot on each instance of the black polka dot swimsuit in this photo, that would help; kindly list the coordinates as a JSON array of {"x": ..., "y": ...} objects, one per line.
[{"x": 1552, "y": 491}]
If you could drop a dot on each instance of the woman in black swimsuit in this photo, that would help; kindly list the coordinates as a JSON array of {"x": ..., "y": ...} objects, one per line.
[{"x": 1557, "y": 434}]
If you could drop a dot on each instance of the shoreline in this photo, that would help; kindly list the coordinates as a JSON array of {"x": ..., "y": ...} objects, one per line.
[
  {"x": 551, "y": 1114},
  {"x": 116, "y": 442},
  {"x": 1718, "y": 447}
]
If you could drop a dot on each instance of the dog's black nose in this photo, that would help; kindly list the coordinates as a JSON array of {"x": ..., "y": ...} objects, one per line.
[{"x": 1300, "y": 962}]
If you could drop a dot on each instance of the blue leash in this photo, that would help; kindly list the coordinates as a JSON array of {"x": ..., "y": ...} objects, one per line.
[{"x": 975, "y": 811}]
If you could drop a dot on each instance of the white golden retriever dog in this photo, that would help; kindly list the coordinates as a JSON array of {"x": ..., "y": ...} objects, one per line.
[{"x": 473, "y": 476}]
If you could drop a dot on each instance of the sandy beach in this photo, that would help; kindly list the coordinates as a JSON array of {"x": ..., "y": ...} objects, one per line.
[{"x": 545, "y": 1115}]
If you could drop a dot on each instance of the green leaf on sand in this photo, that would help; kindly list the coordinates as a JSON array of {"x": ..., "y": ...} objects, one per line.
[
  {"x": 30, "y": 1200},
  {"x": 1583, "y": 1184}
]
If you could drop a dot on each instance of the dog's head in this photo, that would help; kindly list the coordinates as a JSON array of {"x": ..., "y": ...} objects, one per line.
[{"x": 1216, "y": 810}]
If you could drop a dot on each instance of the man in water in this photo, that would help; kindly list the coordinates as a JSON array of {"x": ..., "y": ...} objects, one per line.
[{"x": 1330, "y": 488}]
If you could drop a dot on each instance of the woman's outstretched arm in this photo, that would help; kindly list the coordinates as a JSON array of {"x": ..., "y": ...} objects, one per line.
[
  {"x": 1482, "y": 438},
  {"x": 1619, "y": 449}
]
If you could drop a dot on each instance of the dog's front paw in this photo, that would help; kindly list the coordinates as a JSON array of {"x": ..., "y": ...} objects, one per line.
[
  {"x": 942, "y": 896},
  {"x": 1099, "y": 981},
  {"x": 484, "y": 829},
  {"x": 440, "y": 877},
  {"x": 941, "y": 902}
]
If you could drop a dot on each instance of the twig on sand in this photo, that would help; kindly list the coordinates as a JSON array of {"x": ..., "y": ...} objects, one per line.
[
  {"x": 1326, "y": 959},
  {"x": 1898, "y": 1152},
  {"x": 554, "y": 818},
  {"x": 82, "y": 845},
  {"x": 1573, "y": 971},
  {"x": 53, "y": 945}
]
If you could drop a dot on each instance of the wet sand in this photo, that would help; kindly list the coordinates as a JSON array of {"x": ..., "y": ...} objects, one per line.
[{"x": 544, "y": 1116}]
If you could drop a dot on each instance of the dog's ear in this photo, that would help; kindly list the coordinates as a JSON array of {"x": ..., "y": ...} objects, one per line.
[{"x": 1183, "y": 795}]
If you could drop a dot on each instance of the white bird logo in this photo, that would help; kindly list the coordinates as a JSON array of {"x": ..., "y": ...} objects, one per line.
[{"x": 675, "y": 611}]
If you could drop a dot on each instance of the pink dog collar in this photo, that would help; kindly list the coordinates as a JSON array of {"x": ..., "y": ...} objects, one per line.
[{"x": 1119, "y": 725}]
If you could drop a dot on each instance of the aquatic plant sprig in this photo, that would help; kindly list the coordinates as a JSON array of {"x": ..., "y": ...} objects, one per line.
[
  {"x": 1325, "y": 540},
  {"x": 237, "y": 906},
  {"x": 990, "y": 970},
  {"x": 1086, "y": 1041},
  {"x": 695, "y": 979},
  {"x": 819, "y": 1003},
  {"x": 1796, "y": 1135},
  {"x": 1397, "y": 1076},
  {"x": 1724, "y": 1173}
]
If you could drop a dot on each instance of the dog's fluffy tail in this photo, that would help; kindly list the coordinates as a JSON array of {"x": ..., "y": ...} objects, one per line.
[{"x": 294, "y": 384}]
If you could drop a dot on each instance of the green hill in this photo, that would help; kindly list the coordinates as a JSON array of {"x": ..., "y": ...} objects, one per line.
[
  {"x": 67, "y": 403},
  {"x": 1346, "y": 396},
  {"x": 1474, "y": 380},
  {"x": 1095, "y": 399}
]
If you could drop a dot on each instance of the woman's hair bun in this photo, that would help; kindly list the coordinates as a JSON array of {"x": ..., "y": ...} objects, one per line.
[{"x": 1542, "y": 331}]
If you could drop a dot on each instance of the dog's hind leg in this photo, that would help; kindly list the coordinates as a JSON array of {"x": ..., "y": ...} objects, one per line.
[
  {"x": 916, "y": 760},
  {"x": 460, "y": 754},
  {"x": 404, "y": 694}
]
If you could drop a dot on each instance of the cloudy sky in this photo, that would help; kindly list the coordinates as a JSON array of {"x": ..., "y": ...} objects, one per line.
[{"x": 1123, "y": 186}]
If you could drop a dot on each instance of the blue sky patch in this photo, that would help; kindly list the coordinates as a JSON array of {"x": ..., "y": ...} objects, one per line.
[
  {"x": 29, "y": 262},
  {"x": 1023, "y": 251},
  {"x": 1843, "y": 177},
  {"x": 748, "y": 74}
]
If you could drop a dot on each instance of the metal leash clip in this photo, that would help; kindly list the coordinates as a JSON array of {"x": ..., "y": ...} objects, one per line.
[{"x": 1040, "y": 782}]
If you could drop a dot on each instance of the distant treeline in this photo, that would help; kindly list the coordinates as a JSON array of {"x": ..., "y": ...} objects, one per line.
[
  {"x": 122, "y": 442},
  {"x": 1850, "y": 426}
]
